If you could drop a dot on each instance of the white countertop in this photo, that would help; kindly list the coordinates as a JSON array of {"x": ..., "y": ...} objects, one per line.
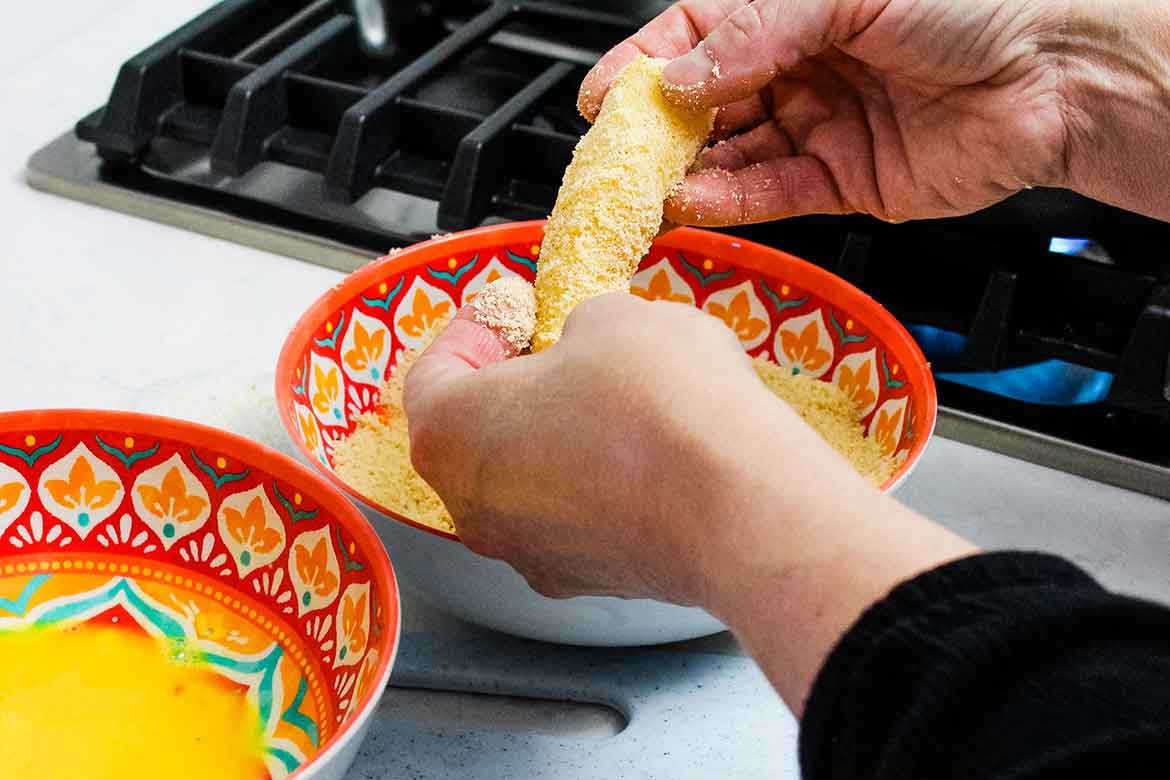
[{"x": 103, "y": 309}]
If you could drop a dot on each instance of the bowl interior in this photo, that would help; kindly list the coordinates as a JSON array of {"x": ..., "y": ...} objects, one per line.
[
  {"x": 781, "y": 307},
  {"x": 208, "y": 540}
]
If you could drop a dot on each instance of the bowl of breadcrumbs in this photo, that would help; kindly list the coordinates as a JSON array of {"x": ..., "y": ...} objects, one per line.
[{"x": 822, "y": 346}]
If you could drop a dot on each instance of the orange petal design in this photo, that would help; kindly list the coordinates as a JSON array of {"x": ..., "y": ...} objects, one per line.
[
  {"x": 884, "y": 430},
  {"x": 366, "y": 348},
  {"x": 353, "y": 622},
  {"x": 856, "y": 384},
  {"x": 236, "y": 525},
  {"x": 250, "y": 528},
  {"x": 423, "y": 315},
  {"x": 172, "y": 500},
  {"x": 314, "y": 568},
  {"x": 309, "y": 428},
  {"x": 659, "y": 289},
  {"x": 804, "y": 349},
  {"x": 80, "y": 491},
  {"x": 738, "y": 316},
  {"x": 326, "y": 389},
  {"x": 366, "y": 676},
  {"x": 10, "y": 495},
  {"x": 269, "y": 538}
]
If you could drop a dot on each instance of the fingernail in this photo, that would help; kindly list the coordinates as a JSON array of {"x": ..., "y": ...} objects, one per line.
[{"x": 694, "y": 67}]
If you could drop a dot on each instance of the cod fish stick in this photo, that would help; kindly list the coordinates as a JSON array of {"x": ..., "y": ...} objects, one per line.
[{"x": 609, "y": 207}]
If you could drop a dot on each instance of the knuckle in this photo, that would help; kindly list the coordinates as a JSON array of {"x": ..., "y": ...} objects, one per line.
[
  {"x": 744, "y": 26},
  {"x": 598, "y": 312}
]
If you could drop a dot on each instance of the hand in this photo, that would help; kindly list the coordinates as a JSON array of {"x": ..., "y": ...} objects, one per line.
[
  {"x": 641, "y": 456},
  {"x": 599, "y": 466},
  {"x": 902, "y": 109}
]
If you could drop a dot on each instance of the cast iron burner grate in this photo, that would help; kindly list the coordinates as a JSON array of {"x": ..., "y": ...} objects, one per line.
[{"x": 479, "y": 127}]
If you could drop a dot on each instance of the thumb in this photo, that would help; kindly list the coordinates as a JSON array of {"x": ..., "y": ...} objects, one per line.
[
  {"x": 496, "y": 326},
  {"x": 464, "y": 346},
  {"x": 745, "y": 51}
]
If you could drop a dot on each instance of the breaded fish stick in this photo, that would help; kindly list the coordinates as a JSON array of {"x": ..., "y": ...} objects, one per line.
[{"x": 609, "y": 207}]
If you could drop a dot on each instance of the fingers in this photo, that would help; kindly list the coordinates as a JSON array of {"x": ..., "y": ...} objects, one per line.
[
  {"x": 746, "y": 50},
  {"x": 596, "y": 82},
  {"x": 765, "y": 142},
  {"x": 671, "y": 33},
  {"x": 778, "y": 188},
  {"x": 462, "y": 348},
  {"x": 741, "y": 115}
]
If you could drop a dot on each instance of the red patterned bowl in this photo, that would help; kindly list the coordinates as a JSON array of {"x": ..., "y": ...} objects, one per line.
[
  {"x": 208, "y": 539},
  {"x": 782, "y": 307}
]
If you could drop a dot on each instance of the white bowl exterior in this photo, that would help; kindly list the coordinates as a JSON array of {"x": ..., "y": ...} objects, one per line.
[{"x": 490, "y": 593}]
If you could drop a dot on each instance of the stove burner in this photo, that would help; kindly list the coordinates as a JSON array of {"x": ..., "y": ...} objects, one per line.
[{"x": 271, "y": 115}]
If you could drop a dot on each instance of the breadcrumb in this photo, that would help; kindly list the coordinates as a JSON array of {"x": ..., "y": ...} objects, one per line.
[
  {"x": 508, "y": 307},
  {"x": 374, "y": 459},
  {"x": 829, "y": 411}
]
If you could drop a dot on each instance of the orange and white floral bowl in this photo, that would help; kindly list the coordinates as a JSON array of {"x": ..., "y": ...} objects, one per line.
[
  {"x": 789, "y": 310},
  {"x": 204, "y": 538}
]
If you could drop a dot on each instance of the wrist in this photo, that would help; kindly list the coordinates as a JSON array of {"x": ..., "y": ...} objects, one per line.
[
  {"x": 783, "y": 498},
  {"x": 796, "y": 560},
  {"x": 1114, "y": 61}
]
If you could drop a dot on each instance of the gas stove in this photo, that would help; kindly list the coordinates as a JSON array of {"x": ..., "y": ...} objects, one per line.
[{"x": 268, "y": 122}]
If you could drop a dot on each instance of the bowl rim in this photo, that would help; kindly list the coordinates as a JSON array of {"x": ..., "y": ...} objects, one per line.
[
  {"x": 278, "y": 465},
  {"x": 759, "y": 258}
]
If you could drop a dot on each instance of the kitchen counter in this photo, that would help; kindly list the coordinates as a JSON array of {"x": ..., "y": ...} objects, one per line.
[{"x": 107, "y": 310}]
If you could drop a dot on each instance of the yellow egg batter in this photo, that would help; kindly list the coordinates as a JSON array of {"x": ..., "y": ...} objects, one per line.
[{"x": 103, "y": 703}]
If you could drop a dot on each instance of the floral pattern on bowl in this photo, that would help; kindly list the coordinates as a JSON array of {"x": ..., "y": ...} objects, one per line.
[
  {"x": 783, "y": 308},
  {"x": 208, "y": 540}
]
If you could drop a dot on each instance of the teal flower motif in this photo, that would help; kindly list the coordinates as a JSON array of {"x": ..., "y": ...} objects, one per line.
[
  {"x": 528, "y": 263},
  {"x": 891, "y": 383},
  {"x": 219, "y": 479},
  {"x": 294, "y": 515},
  {"x": 704, "y": 278},
  {"x": 331, "y": 342},
  {"x": 779, "y": 302},
  {"x": 846, "y": 338},
  {"x": 128, "y": 459},
  {"x": 391, "y": 294},
  {"x": 454, "y": 276},
  {"x": 30, "y": 458}
]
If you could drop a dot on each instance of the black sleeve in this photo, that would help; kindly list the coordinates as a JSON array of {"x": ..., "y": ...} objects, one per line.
[{"x": 1002, "y": 666}]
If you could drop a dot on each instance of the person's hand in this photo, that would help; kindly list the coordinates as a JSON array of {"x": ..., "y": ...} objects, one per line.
[
  {"x": 641, "y": 456},
  {"x": 902, "y": 109},
  {"x": 602, "y": 465}
]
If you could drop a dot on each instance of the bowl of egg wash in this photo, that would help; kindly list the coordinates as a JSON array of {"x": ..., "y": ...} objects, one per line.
[
  {"x": 823, "y": 346},
  {"x": 179, "y": 602}
]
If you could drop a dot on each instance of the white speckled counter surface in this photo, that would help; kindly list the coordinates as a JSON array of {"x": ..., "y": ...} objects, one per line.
[{"x": 105, "y": 310}]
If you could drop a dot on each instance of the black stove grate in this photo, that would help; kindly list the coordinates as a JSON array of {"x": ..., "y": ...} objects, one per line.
[
  {"x": 474, "y": 113},
  {"x": 452, "y": 117}
]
